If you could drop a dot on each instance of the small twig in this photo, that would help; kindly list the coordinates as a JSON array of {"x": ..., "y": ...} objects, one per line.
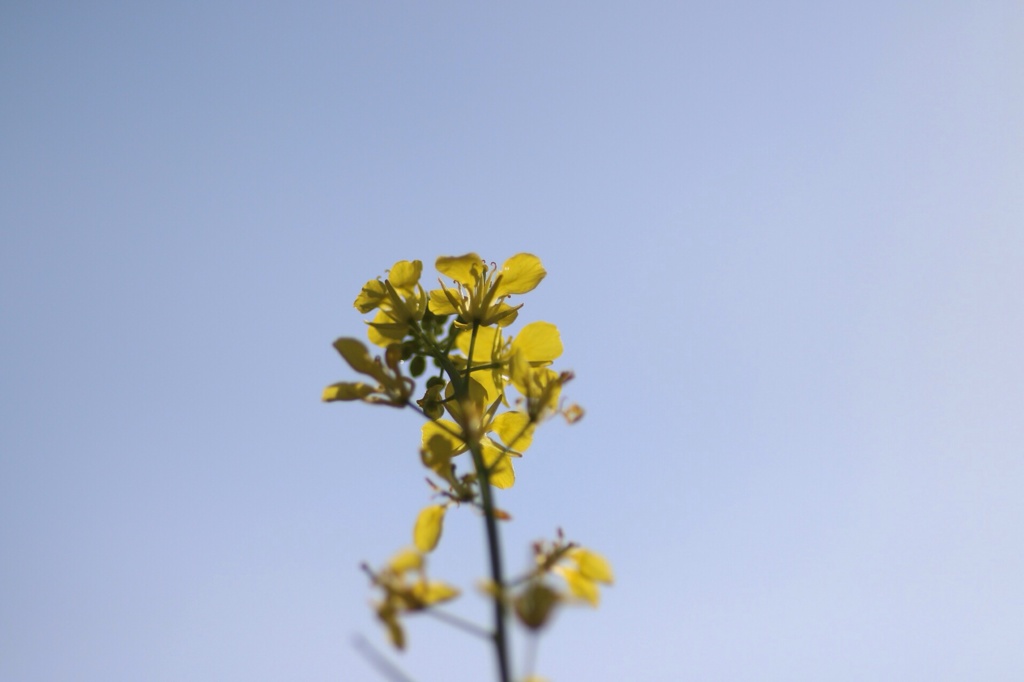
[
  {"x": 460, "y": 623},
  {"x": 378, "y": 660}
]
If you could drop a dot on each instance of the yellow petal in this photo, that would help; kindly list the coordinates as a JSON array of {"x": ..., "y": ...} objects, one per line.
[
  {"x": 520, "y": 371},
  {"x": 437, "y": 456},
  {"x": 539, "y": 341},
  {"x": 434, "y": 592},
  {"x": 406, "y": 560},
  {"x": 486, "y": 347},
  {"x": 463, "y": 269},
  {"x": 514, "y": 429},
  {"x": 463, "y": 411},
  {"x": 488, "y": 588},
  {"x": 484, "y": 389},
  {"x": 441, "y": 439},
  {"x": 500, "y": 465},
  {"x": 550, "y": 385},
  {"x": 371, "y": 296},
  {"x": 503, "y": 314},
  {"x": 389, "y": 617},
  {"x": 520, "y": 273},
  {"x": 580, "y": 586},
  {"x": 347, "y": 391},
  {"x": 384, "y": 330},
  {"x": 440, "y": 304},
  {"x": 405, "y": 275},
  {"x": 486, "y": 350},
  {"x": 429, "y": 524},
  {"x": 592, "y": 565}
]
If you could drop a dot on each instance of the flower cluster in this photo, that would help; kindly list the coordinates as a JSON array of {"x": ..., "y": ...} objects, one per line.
[
  {"x": 406, "y": 590},
  {"x": 581, "y": 569},
  {"x": 486, "y": 391}
]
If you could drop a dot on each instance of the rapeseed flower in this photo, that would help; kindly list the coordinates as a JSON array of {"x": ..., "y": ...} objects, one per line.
[
  {"x": 479, "y": 294},
  {"x": 399, "y": 301},
  {"x": 406, "y": 590}
]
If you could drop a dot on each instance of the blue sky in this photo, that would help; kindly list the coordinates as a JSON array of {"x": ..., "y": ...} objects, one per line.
[{"x": 785, "y": 250}]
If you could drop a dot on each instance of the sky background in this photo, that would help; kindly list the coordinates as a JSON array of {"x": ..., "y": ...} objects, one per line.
[{"x": 785, "y": 245}]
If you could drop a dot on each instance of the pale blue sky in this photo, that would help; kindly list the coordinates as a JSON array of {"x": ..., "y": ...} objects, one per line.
[{"x": 786, "y": 253}]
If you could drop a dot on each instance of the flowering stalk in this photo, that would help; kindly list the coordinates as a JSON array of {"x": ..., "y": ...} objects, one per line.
[
  {"x": 493, "y": 541},
  {"x": 460, "y": 384},
  {"x": 488, "y": 397}
]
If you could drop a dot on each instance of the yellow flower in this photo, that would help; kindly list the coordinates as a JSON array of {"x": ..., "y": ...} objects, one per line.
[
  {"x": 444, "y": 439},
  {"x": 399, "y": 301},
  {"x": 535, "y": 346},
  {"x": 486, "y": 393},
  {"x": 581, "y": 569},
  {"x": 541, "y": 388},
  {"x": 479, "y": 294},
  {"x": 406, "y": 590},
  {"x": 591, "y": 568}
]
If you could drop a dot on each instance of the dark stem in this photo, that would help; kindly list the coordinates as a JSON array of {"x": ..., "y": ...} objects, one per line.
[
  {"x": 493, "y": 543},
  {"x": 494, "y": 552},
  {"x": 460, "y": 386}
]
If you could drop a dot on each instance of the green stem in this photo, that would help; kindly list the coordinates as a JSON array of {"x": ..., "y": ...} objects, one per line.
[
  {"x": 491, "y": 523},
  {"x": 460, "y": 387},
  {"x": 455, "y": 621},
  {"x": 494, "y": 553}
]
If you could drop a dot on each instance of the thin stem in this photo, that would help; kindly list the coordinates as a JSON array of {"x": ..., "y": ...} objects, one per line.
[
  {"x": 379, "y": 661},
  {"x": 490, "y": 521},
  {"x": 488, "y": 365},
  {"x": 460, "y": 386},
  {"x": 442, "y": 358},
  {"x": 551, "y": 561},
  {"x": 494, "y": 554},
  {"x": 460, "y": 623},
  {"x": 472, "y": 346},
  {"x": 416, "y": 408}
]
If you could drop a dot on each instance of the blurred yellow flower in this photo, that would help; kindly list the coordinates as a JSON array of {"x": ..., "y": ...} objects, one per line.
[{"x": 406, "y": 590}]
